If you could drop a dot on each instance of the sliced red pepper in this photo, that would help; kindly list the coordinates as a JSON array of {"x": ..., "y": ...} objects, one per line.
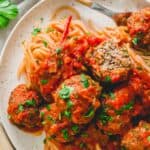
[{"x": 66, "y": 31}]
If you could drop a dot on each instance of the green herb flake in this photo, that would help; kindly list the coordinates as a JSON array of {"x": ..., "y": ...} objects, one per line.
[
  {"x": 84, "y": 81},
  {"x": 104, "y": 117},
  {"x": 20, "y": 108},
  {"x": 82, "y": 145},
  {"x": 42, "y": 114},
  {"x": 51, "y": 137},
  {"x": 90, "y": 112},
  {"x": 84, "y": 135},
  {"x": 69, "y": 104},
  {"x": 59, "y": 63},
  {"x": 36, "y": 31},
  {"x": 8, "y": 11},
  {"x": 41, "y": 19},
  {"x": 67, "y": 113},
  {"x": 128, "y": 106},
  {"x": 49, "y": 118},
  {"x": 65, "y": 134},
  {"x": 135, "y": 40},
  {"x": 112, "y": 95},
  {"x": 9, "y": 116},
  {"x": 45, "y": 43},
  {"x": 65, "y": 92},
  {"x": 44, "y": 141},
  {"x": 44, "y": 81},
  {"x": 107, "y": 79},
  {"x": 48, "y": 107},
  {"x": 58, "y": 50},
  {"x": 148, "y": 138},
  {"x": 75, "y": 128},
  {"x": 31, "y": 102},
  {"x": 49, "y": 29}
]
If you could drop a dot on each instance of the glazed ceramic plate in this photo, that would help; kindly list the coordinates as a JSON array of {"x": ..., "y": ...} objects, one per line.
[{"x": 12, "y": 55}]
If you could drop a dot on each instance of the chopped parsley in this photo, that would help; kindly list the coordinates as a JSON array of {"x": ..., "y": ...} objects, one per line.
[
  {"x": 75, "y": 128},
  {"x": 36, "y": 31},
  {"x": 59, "y": 63},
  {"x": 104, "y": 117},
  {"x": 44, "y": 141},
  {"x": 65, "y": 134},
  {"x": 128, "y": 106},
  {"x": 148, "y": 138},
  {"x": 135, "y": 40},
  {"x": 58, "y": 50},
  {"x": 90, "y": 112},
  {"x": 9, "y": 116},
  {"x": 51, "y": 119},
  {"x": 41, "y": 114},
  {"x": 65, "y": 92},
  {"x": 49, "y": 29},
  {"x": 82, "y": 145},
  {"x": 67, "y": 113},
  {"x": 84, "y": 81},
  {"x": 44, "y": 81},
  {"x": 84, "y": 135},
  {"x": 48, "y": 107},
  {"x": 31, "y": 102},
  {"x": 45, "y": 43},
  {"x": 69, "y": 104},
  {"x": 112, "y": 95},
  {"x": 51, "y": 137},
  {"x": 107, "y": 79},
  {"x": 20, "y": 108}
]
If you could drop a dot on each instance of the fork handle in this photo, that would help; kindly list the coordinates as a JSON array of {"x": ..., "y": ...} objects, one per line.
[{"x": 103, "y": 9}]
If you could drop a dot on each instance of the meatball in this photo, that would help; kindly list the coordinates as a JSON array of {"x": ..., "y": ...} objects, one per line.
[
  {"x": 117, "y": 110},
  {"x": 89, "y": 139},
  {"x": 57, "y": 126},
  {"x": 137, "y": 138},
  {"x": 78, "y": 97},
  {"x": 108, "y": 62},
  {"x": 23, "y": 107},
  {"x": 139, "y": 28}
]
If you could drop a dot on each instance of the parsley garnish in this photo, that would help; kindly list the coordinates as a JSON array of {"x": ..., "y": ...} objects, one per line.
[
  {"x": 112, "y": 95},
  {"x": 45, "y": 43},
  {"x": 31, "y": 102},
  {"x": 75, "y": 128},
  {"x": 58, "y": 50},
  {"x": 128, "y": 106},
  {"x": 84, "y": 81},
  {"x": 49, "y": 29},
  {"x": 65, "y": 134},
  {"x": 67, "y": 113},
  {"x": 41, "y": 114},
  {"x": 84, "y": 135},
  {"x": 48, "y": 107},
  {"x": 8, "y": 11},
  {"x": 104, "y": 117},
  {"x": 148, "y": 138},
  {"x": 90, "y": 112},
  {"x": 69, "y": 104},
  {"x": 65, "y": 92},
  {"x": 135, "y": 40},
  {"x": 44, "y": 81},
  {"x": 107, "y": 79},
  {"x": 51, "y": 119},
  {"x": 82, "y": 145},
  {"x": 36, "y": 31},
  {"x": 20, "y": 108}
]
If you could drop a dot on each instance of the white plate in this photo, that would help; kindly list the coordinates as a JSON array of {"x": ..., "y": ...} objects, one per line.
[{"x": 13, "y": 53}]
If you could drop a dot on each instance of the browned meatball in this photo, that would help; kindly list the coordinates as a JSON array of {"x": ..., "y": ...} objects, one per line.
[
  {"x": 137, "y": 138},
  {"x": 78, "y": 98},
  {"x": 23, "y": 107},
  {"x": 139, "y": 28},
  {"x": 57, "y": 126},
  {"x": 89, "y": 139},
  {"x": 118, "y": 108},
  {"x": 108, "y": 62}
]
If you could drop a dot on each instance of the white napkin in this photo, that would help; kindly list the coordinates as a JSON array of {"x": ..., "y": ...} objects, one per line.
[{"x": 23, "y": 6}]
